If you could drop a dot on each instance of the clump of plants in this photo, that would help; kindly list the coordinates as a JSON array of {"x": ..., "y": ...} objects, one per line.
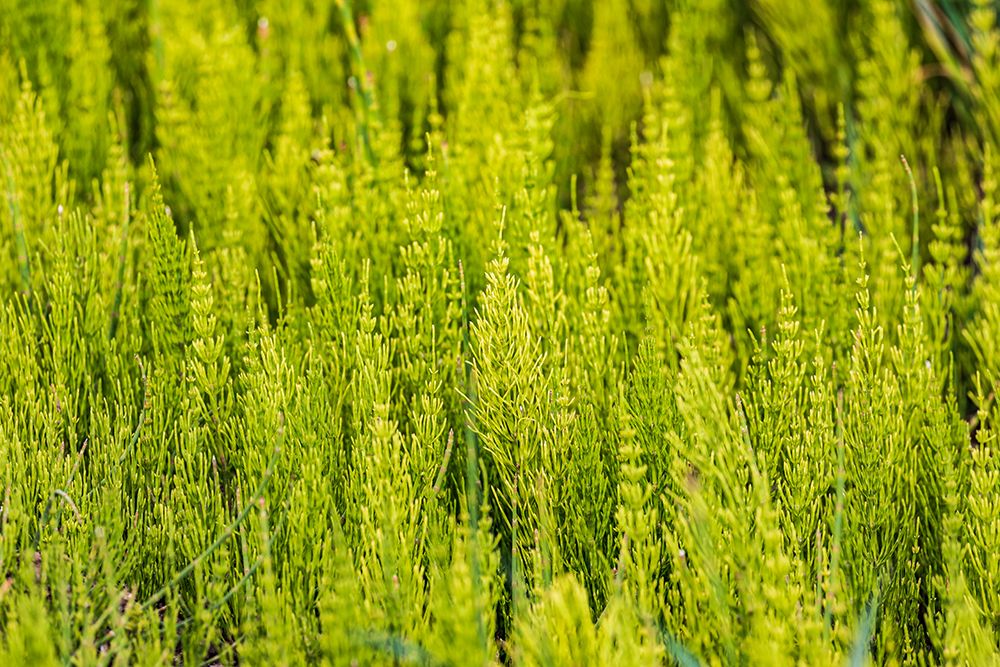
[{"x": 482, "y": 332}]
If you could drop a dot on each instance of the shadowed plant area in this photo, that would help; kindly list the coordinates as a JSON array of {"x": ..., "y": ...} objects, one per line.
[{"x": 485, "y": 332}]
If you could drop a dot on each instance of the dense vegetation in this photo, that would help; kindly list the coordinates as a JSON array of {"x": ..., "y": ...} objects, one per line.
[{"x": 538, "y": 332}]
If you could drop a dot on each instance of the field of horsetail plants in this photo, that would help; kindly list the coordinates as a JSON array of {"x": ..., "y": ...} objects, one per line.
[{"x": 484, "y": 332}]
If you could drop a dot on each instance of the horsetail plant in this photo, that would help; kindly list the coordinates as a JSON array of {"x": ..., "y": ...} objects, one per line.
[{"x": 499, "y": 332}]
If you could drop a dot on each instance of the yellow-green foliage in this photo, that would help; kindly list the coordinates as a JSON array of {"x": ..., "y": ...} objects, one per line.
[{"x": 475, "y": 332}]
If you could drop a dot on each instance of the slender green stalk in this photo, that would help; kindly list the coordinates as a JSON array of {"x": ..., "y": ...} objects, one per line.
[
  {"x": 443, "y": 470},
  {"x": 362, "y": 79},
  {"x": 134, "y": 439},
  {"x": 915, "y": 235},
  {"x": 472, "y": 473},
  {"x": 20, "y": 240},
  {"x": 838, "y": 520},
  {"x": 122, "y": 254}
]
